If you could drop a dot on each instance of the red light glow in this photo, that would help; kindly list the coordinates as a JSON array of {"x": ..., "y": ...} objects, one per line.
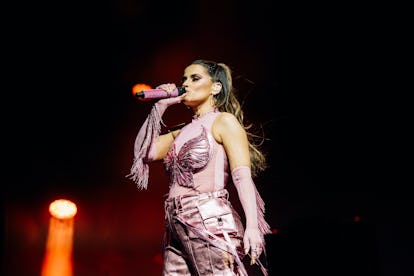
[{"x": 140, "y": 87}]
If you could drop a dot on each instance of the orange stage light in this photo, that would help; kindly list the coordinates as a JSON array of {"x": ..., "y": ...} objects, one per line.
[
  {"x": 140, "y": 87},
  {"x": 62, "y": 209},
  {"x": 58, "y": 255}
]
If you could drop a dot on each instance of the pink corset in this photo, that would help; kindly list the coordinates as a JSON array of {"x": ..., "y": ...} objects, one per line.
[
  {"x": 190, "y": 159},
  {"x": 195, "y": 162}
]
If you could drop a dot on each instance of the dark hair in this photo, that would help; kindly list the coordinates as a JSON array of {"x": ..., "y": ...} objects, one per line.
[{"x": 226, "y": 101}]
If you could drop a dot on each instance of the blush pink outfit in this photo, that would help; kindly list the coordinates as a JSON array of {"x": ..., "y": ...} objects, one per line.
[{"x": 204, "y": 233}]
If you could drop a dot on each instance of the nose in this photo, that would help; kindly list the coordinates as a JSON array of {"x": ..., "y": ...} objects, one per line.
[{"x": 184, "y": 84}]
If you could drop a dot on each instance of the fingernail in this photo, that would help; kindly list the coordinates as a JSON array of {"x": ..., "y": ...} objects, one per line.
[{"x": 246, "y": 250}]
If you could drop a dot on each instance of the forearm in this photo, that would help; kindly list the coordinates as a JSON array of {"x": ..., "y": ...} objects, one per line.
[
  {"x": 153, "y": 131},
  {"x": 145, "y": 143},
  {"x": 246, "y": 192},
  {"x": 250, "y": 199},
  {"x": 145, "y": 149}
]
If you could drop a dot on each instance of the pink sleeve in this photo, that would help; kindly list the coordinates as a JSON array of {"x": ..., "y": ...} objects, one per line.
[
  {"x": 147, "y": 134},
  {"x": 144, "y": 146},
  {"x": 252, "y": 202}
]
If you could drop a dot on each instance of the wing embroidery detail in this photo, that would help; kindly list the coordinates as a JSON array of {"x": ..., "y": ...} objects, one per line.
[{"x": 192, "y": 157}]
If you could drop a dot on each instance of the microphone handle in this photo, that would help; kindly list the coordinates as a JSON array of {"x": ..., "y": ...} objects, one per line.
[{"x": 159, "y": 93}]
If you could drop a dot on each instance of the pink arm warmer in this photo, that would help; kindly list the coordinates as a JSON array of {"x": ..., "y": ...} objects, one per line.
[
  {"x": 144, "y": 147},
  {"x": 250, "y": 199}
]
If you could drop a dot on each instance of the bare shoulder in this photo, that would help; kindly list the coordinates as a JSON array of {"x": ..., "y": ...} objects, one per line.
[
  {"x": 225, "y": 124},
  {"x": 226, "y": 120}
]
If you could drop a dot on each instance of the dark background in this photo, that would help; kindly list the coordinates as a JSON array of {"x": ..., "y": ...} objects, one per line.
[{"x": 312, "y": 75}]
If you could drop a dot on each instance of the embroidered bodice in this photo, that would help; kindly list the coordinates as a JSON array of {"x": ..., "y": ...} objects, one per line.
[{"x": 195, "y": 161}]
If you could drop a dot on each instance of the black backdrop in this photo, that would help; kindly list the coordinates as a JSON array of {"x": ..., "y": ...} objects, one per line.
[{"x": 308, "y": 73}]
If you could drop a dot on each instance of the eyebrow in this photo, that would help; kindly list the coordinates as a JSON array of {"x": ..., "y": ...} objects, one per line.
[{"x": 191, "y": 76}]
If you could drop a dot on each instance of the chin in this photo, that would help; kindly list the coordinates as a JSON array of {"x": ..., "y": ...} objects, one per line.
[{"x": 187, "y": 101}]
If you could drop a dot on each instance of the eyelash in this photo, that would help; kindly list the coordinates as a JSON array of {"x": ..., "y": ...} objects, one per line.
[{"x": 192, "y": 79}]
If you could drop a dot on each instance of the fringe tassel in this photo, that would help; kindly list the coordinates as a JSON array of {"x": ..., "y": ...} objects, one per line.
[
  {"x": 149, "y": 131},
  {"x": 264, "y": 227}
]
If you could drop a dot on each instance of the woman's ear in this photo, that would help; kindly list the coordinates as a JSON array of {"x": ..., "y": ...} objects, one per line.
[{"x": 216, "y": 88}]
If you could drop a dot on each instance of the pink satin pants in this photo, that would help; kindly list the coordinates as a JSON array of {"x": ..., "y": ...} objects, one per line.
[{"x": 189, "y": 252}]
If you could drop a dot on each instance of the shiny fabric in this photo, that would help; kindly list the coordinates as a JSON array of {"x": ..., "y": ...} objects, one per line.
[
  {"x": 197, "y": 166},
  {"x": 217, "y": 216},
  {"x": 191, "y": 158},
  {"x": 190, "y": 248}
]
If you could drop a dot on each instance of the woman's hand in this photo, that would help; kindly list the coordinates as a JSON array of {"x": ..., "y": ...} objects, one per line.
[
  {"x": 169, "y": 88},
  {"x": 253, "y": 242}
]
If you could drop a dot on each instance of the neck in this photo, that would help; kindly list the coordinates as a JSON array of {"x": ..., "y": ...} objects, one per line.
[{"x": 203, "y": 110}]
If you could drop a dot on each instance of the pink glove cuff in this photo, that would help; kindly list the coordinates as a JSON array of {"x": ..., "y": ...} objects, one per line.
[{"x": 250, "y": 198}]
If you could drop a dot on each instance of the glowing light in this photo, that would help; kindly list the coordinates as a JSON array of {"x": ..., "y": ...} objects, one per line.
[
  {"x": 58, "y": 254},
  {"x": 62, "y": 209},
  {"x": 138, "y": 88}
]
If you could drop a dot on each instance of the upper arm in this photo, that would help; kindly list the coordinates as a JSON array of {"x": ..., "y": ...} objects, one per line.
[
  {"x": 163, "y": 144},
  {"x": 230, "y": 133}
]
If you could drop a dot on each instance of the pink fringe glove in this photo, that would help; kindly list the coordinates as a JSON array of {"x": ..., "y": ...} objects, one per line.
[
  {"x": 144, "y": 142},
  {"x": 253, "y": 206}
]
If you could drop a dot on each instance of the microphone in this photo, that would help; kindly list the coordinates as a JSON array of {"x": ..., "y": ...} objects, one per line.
[{"x": 159, "y": 93}]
